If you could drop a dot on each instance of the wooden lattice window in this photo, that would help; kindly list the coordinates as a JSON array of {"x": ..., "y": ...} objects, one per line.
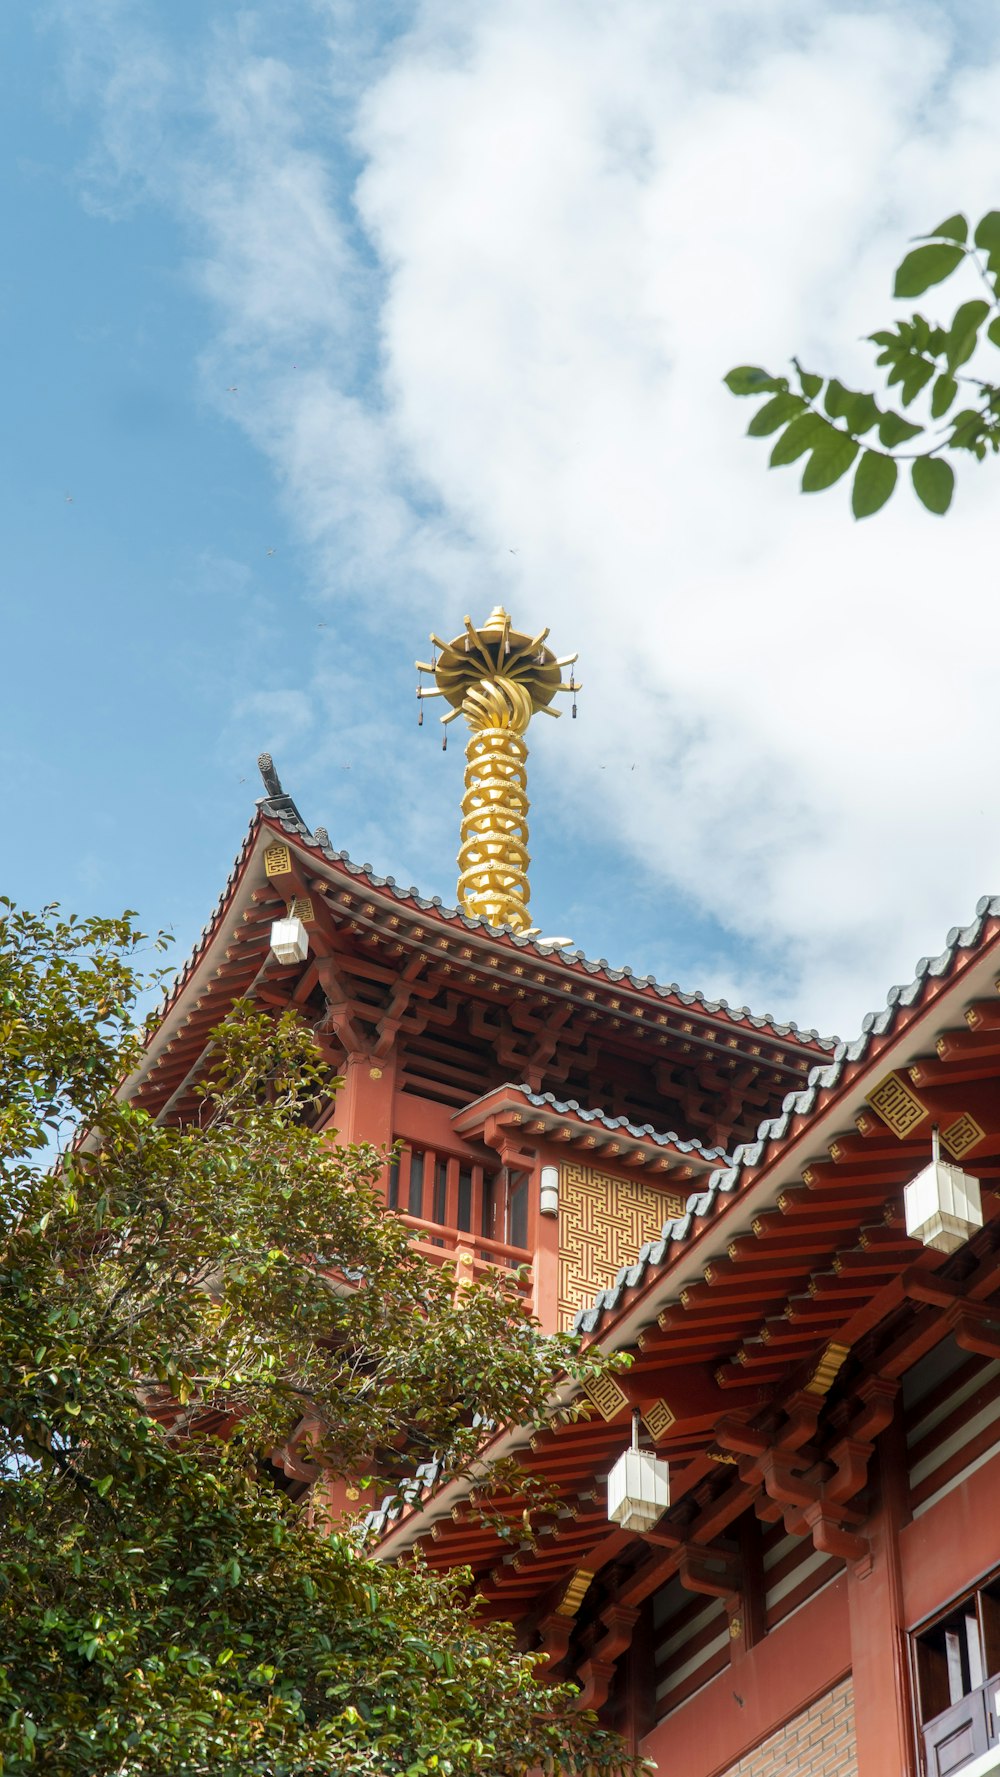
[{"x": 957, "y": 1662}]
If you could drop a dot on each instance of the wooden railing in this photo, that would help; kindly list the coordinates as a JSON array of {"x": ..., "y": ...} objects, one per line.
[
  {"x": 456, "y": 1210},
  {"x": 471, "y": 1253}
]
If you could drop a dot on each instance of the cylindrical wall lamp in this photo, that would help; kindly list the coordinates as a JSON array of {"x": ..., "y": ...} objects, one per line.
[{"x": 549, "y": 1201}]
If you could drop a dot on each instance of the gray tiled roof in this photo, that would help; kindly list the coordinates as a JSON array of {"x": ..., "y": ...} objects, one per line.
[
  {"x": 285, "y": 813},
  {"x": 640, "y": 1132},
  {"x": 725, "y": 1181}
]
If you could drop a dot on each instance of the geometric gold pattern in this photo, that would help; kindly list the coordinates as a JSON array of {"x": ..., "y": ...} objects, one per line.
[
  {"x": 657, "y": 1418},
  {"x": 962, "y": 1135},
  {"x": 277, "y": 860},
  {"x": 606, "y": 1395},
  {"x": 898, "y": 1105},
  {"x": 603, "y": 1221}
]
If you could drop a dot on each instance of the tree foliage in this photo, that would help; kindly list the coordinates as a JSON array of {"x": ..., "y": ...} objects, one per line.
[
  {"x": 836, "y": 428},
  {"x": 174, "y": 1304}
]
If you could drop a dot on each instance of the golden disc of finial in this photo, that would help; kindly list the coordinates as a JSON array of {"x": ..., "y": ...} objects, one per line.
[{"x": 496, "y": 653}]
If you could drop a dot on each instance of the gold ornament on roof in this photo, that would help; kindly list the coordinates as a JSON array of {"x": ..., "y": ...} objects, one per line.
[{"x": 497, "y": 678}]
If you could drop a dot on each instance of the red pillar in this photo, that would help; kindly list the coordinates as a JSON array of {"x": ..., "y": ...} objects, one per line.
[
  {"x": 543, "y": 1235},
  {"x": 883, "y": 1705},
  {"x": 363, "y": 1112}
]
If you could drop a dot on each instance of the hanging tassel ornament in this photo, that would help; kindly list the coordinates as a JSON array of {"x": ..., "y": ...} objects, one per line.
[{"x": 444, "y": 743}]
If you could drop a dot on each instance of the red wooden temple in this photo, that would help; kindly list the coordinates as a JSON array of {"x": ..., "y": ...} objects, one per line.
[{"x": 722, "y": 1197}]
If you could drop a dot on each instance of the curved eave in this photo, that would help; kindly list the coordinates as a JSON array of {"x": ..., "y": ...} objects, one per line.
[
  {"x": 712, "y": 1022},
  {"x": 913, "y": 1020}
]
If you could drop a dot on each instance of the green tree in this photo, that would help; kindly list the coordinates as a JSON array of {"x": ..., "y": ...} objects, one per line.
[
  {"x": 173, "y": 1304},
  {"x": 837, "y": 428}
]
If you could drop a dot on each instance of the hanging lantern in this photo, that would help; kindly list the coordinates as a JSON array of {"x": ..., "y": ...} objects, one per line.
[
  {"x": 943, "y": 1204},
  {"x": 638, "y": 1487},
  {"x": 289, "y": 941}
]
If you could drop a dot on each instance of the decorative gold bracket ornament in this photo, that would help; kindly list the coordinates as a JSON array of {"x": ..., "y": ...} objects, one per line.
[{"x": 497, "y": 679}]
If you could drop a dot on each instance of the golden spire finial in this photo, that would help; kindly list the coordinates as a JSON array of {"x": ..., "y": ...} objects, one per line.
[{"x": 497, "y": 679}]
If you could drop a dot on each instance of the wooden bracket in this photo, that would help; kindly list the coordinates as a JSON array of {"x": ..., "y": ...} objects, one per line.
[{"x": 715, "y": 1572}]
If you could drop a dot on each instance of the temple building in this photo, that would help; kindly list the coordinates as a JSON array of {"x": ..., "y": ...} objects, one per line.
[{"x": 798, "y": 1243}]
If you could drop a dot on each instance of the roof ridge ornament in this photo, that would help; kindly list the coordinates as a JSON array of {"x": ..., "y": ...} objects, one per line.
[
  {"x": 497, "y": 678},
  {"x": 271, "y": 780},
  {"x": 276, "y": 800}
]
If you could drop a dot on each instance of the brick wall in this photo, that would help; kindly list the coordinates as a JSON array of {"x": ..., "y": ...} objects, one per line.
[{"x": 817, "y": 1743}]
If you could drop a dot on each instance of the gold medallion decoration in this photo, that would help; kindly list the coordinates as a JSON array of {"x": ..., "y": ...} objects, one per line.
[
  {"x": 606, "y": 1394},
  {"x": 277, "y": 860},
  {"x": 657, "y": 1418},
  {"x": 962, "y": 1136},
  {"x": 898, "y": 1105}
]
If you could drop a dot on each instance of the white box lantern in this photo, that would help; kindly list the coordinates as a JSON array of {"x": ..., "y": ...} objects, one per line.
[
  {"x": 289, "y": 941},
  {"x": 638, "y": 1488},
  {"x": 943, "y": 1204}
]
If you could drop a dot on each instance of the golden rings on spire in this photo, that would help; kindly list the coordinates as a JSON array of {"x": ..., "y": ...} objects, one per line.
[{"x": 497, "y": 678}]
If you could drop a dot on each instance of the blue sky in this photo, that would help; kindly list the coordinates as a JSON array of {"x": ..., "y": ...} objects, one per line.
[{"x": 319, "y": 336}]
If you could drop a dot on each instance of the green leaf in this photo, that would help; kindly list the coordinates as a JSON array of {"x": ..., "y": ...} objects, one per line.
[
  {"x": 993, "y": 331},
  {"x": 893, "y": 430},
  {"x": 987, "y": 233},
  {"x": 836, "y": 398},
  {"x": 945, "y": 390},
  {"x": 954, "y": 228},
  {"x": 933, "y": 483},
  {"x": 861, "y": 413},
  {"x": 800, "y": 436},
  {"x": 967, "y": 427},
  {"x": 963, "y": 334},
  {"x": 831, "y": 458},
  {"x": 916, "y": 377},
  {"x": 749, "y": 379},
  {"x": 811, "y": 384},
  {"x": 925, "y": 266},
  {"x": 773, "y": 414},
  {"x": 874, "y": 480}
]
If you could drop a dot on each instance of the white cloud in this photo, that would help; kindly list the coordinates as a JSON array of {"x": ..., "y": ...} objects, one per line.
[{"x": 570, "y": 220}]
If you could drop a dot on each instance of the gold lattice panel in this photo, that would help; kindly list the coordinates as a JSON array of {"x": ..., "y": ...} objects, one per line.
[{"x": 603, "y": 1221}]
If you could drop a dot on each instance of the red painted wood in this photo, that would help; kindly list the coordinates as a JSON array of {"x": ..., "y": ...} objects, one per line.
[
  {"x": 883, "y": 1699},
  {"x": 778, "y": 1678},
  {"x": 945, "y": 1551}
]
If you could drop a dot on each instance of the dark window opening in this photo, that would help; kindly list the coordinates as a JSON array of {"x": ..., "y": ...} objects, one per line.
[
  {"x": 465, "y": 1201},
  {"x": 517, "y": 1209},
  {"x": 440, "y": 1190},
  {"x": 957, "y": 1660},
  {"x": 415, "y": 1206}
]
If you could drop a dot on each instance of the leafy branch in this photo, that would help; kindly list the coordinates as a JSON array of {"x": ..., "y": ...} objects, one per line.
[{"x": 837, "y": 427}]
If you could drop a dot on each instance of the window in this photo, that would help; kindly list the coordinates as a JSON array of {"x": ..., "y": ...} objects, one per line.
[
  {"x": 957, "y": 1661},
  {"x": 517, "y": 1209}
]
